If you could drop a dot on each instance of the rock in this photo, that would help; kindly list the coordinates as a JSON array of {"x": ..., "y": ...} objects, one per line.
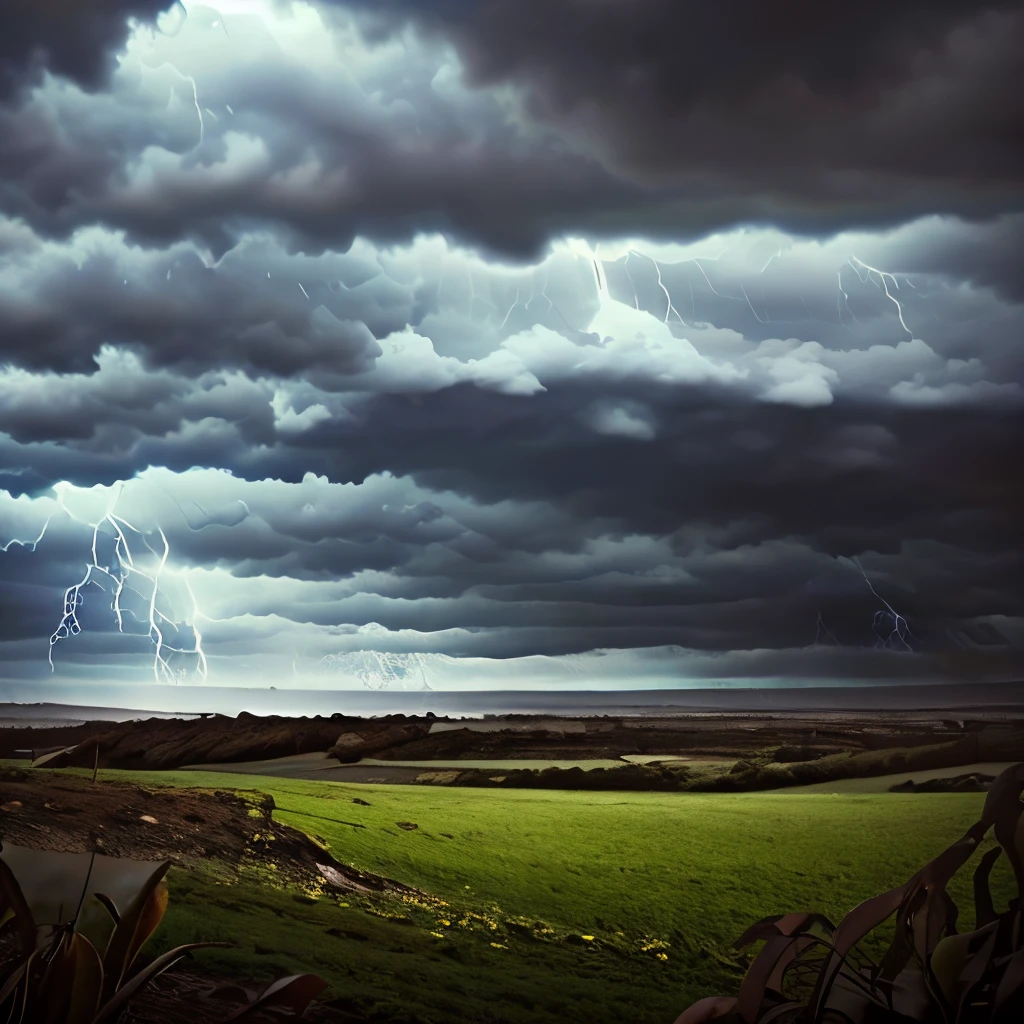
[
  {"x": 409, "y": 826},
  {"x": 149, "y": 819},
  {"x": 348, "y": 747}
]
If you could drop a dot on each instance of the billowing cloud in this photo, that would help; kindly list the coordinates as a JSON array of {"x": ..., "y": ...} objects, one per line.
[{"x": 532, "y": 344}]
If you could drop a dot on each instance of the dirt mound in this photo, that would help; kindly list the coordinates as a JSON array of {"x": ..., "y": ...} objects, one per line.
[{"x": 47, "y": 811}]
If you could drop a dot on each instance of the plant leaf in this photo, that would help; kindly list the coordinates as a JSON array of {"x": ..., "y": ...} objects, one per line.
[
  {"x": 1012, "y": 980},
  {"x": 13, "y": 899},
  {"x": 753, "y": 988},
  {"x": 108, "y": 904},
  {"x": 117, "y": 1002},
  {"x": 979, "y": 963},
  {"x": 708, "y": 1009},
  {"x": 120, "y": 948},
  {"x": 1004, "y": 811},
  {"x": 152, "y": 914},
  {"x": 88, "y": 982},
  {"x": 295, "y": 993},
  {"x": 50, "y": 995},
  {"x": 8, "y": 991},
  {"x": 984, "y": 909},
  {"x": 786, "y": 924}
]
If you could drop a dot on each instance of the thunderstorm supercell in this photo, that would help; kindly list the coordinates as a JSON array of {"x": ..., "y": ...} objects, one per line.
[{"x": 510, "y": 344}]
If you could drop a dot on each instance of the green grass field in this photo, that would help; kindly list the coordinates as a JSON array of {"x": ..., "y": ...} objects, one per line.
[{"x": 640, "y": 895}]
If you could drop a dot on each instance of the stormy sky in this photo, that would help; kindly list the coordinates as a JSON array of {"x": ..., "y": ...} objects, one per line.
[{"x": 511, "y": 343}]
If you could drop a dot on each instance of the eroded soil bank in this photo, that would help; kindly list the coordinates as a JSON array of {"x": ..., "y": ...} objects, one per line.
[{"x": 209, "y": 830}]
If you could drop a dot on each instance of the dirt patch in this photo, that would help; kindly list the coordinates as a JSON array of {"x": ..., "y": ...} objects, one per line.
[{"x": 49, "y": 811}]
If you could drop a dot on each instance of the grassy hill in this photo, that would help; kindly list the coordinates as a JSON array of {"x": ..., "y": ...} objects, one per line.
[{"x": 545, "y": 906}]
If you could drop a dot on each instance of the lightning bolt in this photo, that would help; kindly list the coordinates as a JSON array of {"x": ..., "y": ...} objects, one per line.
[
  {"x": 744, "y": 297},
  {"x": 188, "y": 78},
  {"x": 195, "y": 100},
  {"x": 843, "y": 300},
  {"x": 473, "y": 297},
  {"x": 882, "y": 276},
  {"x": 533, "y": 291},
  {"x": 544, "y": 287},
  {"x": 751, "y": 305},
  {"x": 883, "y": 279},
  {"x": 599, "y": 275},
  {"x": 771, "y": 259},
  {"x": 121, "y": 575},
  {"x": 669, "y": 307},
  {"x": 510, "y": 308},
  {"x": 632, "y": 283},
  {"x": 821, "y": 628},
  {"x": 31, "y": 544},
  {"x": 883, "y": 619}
]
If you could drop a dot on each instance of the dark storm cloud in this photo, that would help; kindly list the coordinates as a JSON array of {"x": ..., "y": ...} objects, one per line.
[
  {"x": 802, "y": 113},
  {"x": 661, "y": 119},
  {"x": 257, "y": 135},
  {"x": 179, "y": 313},
  {"x": 216, "y": 257},
  {"x": 66, "y": 37},
  {"x": 848, "y": 477}
]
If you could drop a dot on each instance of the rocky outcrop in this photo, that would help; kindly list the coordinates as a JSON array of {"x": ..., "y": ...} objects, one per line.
[{"x": 378, "y": 735}]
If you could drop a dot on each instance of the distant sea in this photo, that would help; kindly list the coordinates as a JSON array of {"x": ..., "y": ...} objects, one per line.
[{"x": 69, "y": 702}]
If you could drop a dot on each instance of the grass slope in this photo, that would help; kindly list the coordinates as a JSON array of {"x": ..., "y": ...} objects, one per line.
[{"x": 639, "y": 895}]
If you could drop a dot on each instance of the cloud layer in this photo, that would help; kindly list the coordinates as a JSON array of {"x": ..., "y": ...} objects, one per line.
[{"x": 457, "y": 343}]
